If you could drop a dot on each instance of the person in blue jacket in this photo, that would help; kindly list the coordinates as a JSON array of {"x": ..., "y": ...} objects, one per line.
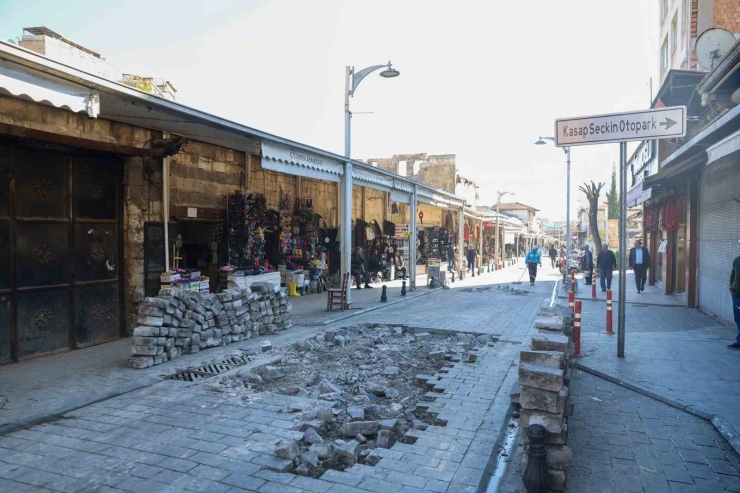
[{"x": 532, "y": 260}]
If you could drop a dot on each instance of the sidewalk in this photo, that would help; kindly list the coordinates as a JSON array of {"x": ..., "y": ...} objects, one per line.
[
  {"x": 651, "y": 296},
  {"x": 41, "y": 388},
  {"x": 676, "y": 352}
]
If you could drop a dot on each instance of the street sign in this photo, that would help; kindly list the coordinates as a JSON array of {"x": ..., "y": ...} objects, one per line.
[{"x": 655, "y": 123}]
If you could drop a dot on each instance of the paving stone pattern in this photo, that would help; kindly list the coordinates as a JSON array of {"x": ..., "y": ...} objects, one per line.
[
  {"x": 676, "y": 352},
  {"x": 623, "y": 441},
  {"x": 163, "y": 438}
]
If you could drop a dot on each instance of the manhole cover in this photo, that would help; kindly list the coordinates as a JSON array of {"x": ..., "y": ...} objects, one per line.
[{"x": 209, "y": 370}]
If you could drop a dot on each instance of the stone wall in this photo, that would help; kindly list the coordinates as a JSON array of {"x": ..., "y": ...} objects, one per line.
[
  {"x": 544, "y": 376},
  {"x": 180, "y": 322},
  {"x": 203, "y": 174}
]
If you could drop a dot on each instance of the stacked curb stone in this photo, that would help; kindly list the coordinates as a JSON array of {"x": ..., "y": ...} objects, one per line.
[
  {"x": 180, "y": 322},
  {"x": 544, "y": 376}
]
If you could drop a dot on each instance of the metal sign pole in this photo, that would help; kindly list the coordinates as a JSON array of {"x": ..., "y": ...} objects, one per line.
[{"x": 622, "y": 247}]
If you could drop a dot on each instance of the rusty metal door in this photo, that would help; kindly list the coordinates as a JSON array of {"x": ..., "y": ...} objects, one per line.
[{"x": 59, "y": 249}]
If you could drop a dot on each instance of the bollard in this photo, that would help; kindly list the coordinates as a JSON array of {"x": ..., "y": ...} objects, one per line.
[
  {"x": 571, "y": 300},
  {"x": 609, "y": 330},
  {"x": 384, "y": 295},
  {"x": 535, "y": 477},
  {"x": 577, "y": 329},
  {"x": 593, "y": 290}
]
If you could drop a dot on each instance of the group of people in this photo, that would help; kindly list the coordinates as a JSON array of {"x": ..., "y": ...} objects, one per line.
[{"x": 376, "y": 263}]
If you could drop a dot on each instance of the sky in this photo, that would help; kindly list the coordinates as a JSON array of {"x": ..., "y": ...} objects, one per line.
[{"x": 479, "y": 79}]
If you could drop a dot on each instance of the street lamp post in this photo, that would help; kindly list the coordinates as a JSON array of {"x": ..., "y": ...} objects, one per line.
[
  {"x": 566, "y": 267},
  {"x": 351, "y": 81},
  {"x": 499, "y": 253}
]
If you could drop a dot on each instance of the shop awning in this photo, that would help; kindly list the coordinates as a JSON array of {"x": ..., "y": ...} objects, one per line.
[
  {"x": 724, "y": 148},
  {"x": 293, "y": 161},
  {"x": 638, "y": 194},
  {"x": 42, "y": 88},
  {"x": 402, "y": 197}
]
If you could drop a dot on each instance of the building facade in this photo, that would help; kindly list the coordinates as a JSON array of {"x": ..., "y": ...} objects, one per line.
[{"x": 683, "y": 21}]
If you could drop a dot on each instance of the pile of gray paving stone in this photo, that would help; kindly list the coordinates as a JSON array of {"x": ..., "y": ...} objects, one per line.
[
  {"x": 357, "y": 390},
  {"x": 180, "y": 322},
  {"x": 544, "y": 376}
]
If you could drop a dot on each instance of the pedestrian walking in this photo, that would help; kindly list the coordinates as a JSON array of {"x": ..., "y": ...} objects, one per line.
[
  {"x": 587, "y": 265},
  {"x": 450, "y": 258},
  {"x": 640, "y": 263},
  {"x": 735, "y": 294},
  {"x": 606, "y": 263},
  {"x": 532, "y": 260},
  {"x": 553, "y": 255},
  {"x": 471, "y": 258}
]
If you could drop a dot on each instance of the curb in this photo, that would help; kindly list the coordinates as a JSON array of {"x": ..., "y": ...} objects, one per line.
[
  {"x": 628, "y": 303},
  {"x": 720, "y": 424}
]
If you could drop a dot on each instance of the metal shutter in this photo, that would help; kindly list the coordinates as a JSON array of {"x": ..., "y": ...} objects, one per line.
[{"x": 719, "y": 231}]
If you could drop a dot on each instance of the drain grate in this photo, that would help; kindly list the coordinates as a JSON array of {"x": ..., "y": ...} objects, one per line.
[{"x": 210, "y": 370}]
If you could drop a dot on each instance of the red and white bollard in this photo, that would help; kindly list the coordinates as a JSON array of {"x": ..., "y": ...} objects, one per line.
[
  {"x": 577, "y": 329},
  {"x": 609, "y": 330},
  {"x": 593, "y": 290},
  {"x": 571, "y": 300}
]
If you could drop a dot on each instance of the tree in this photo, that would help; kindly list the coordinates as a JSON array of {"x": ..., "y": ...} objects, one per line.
[
  {"x": 592, "y": 192},
  {"x": 613, "y": 197}
]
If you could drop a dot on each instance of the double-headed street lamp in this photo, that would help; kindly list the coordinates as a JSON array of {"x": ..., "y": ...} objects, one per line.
[
  {"x": 352, "y": 80},
  {"x": 499, "y": 252},
  {"x": 566, "y": 266}
]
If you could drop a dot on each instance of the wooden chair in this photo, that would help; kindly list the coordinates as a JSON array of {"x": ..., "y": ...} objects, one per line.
[{"x": 338, "y": 296}]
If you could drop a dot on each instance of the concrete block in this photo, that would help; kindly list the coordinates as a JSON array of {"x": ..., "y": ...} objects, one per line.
[
  {"x": 550, "y": 342},
  {"x": 549, "y": 322},
  {"x": 540, "y": 377},
  {"x": 553, "y": 423},
  {"x": 553, "y": 359}
]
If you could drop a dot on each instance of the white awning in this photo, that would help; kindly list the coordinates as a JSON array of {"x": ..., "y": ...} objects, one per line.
[
  {"x": 724, "y": 147},
  {"x": 292, "y": 161},
  {"x": 41, "y": 88},
  {"x": 371, "y": 180}
]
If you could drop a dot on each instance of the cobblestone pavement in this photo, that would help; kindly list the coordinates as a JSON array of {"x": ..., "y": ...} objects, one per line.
[
  {"x": 159, "y": 438},
  {"x": 653, "y": 295},
  {"x": 52, "y": 385},
  {"x": 623, "y": 441},
  {"x": 676, "y": 352},
  {"x": 176, "y": 436}
]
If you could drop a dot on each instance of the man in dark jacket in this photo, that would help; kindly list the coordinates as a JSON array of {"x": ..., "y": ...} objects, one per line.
[
  {"x": 587, "y": 265},
  {"x": 553, "y": 255},
  {"x": 606, "y": 262},
  {"x": 640, "y": 263},
  {"x": 358, "y": 269},
  {"x": 735, "y": 294}
]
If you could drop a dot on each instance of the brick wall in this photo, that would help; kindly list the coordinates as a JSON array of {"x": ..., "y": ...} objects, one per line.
[
  {"x": 439, "y": 171},
  {"x": 726, "y": 15}
]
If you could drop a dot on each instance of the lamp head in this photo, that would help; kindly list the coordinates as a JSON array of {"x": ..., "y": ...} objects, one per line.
[
  {"x": 540, "y": 142},
  {"x": 390, "y": 72}
]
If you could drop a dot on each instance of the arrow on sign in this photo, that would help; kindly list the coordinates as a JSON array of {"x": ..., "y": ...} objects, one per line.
[{"x": 668, "y": 123}]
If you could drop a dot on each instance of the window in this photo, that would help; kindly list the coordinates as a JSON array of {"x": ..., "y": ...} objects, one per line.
[
  {"x": 674, "y": 33},
  {"x": 374, "y": 164},
  {"x": 664, "y": 56},
  {"x": 402, "y": 168}
]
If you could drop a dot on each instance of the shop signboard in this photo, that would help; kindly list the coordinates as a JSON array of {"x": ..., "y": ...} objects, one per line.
[{"x": 403, "y": 231}]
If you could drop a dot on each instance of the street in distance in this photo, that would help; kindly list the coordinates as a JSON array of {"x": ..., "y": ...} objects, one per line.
[{"x": 657, "y": 123}]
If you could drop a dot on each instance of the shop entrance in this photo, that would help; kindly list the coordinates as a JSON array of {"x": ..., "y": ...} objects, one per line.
[{"x": 59, "y": 249}]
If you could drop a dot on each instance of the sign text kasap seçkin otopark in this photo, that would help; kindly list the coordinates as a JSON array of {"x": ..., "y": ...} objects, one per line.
[{"x": 655, "y": 123}]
